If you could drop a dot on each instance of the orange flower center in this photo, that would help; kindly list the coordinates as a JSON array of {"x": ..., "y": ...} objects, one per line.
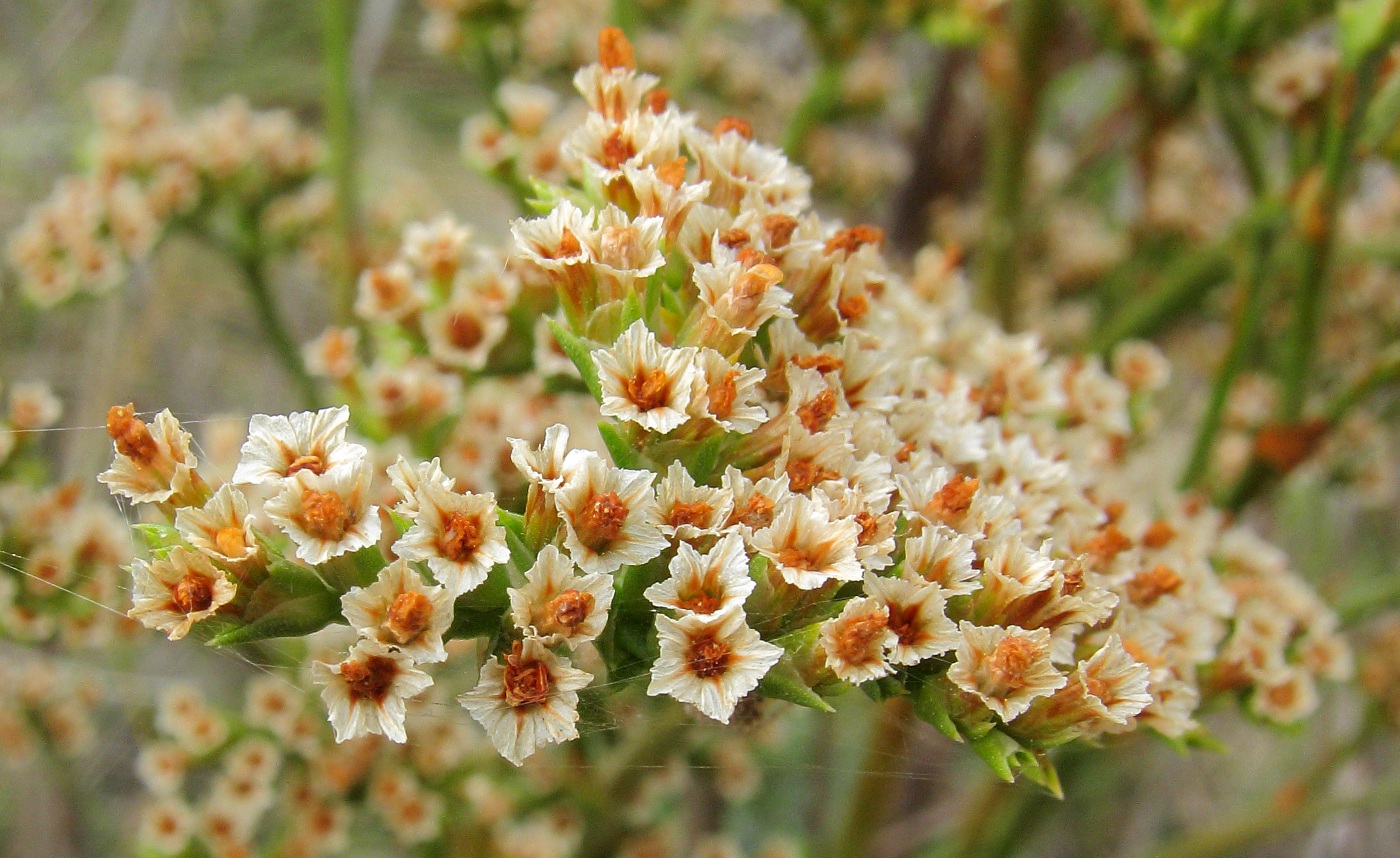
[
  {"x": 324, "y": 515},
  {"x": 464, "y": 331},
  {"x": 904, "y": 622},
  {"x": 1011, "y": 659},
  {"x": 694, "y": 514},
  {"x": 1150, "y": 585},
  {"x": 648, "y": 390},
  {"x": 526, "y": 681},
  {"x": 757, "y": 512},
  {"x": 569, "y": 609},
  {"x": 312, "y": 462},
  {"x": 408, "y": 616},
  {"x": 818, "y": 411},
  {"x": 708, "y": 657},
  {"x": 370, "y": 679},
  {"x": 600, "y": 523},
  {"x": 723, "y": 393},
  {"x": 805, "y": 473},
  {"x": 192, "y": 594},
  {"x": 953, "y": 499},
  {"x": 129, "y": 433},
  {"x": 854, "y": 638},
  {"x": 701, "y": 602},
  {"x": 230, "y": 541},
  {"x": 461, "y": 537}
]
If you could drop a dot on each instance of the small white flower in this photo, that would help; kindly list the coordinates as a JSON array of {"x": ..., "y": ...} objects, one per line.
[
  {"x": 456, "y": 535},
  {"x": 1007, "y": 668},
  {"x": 407, "y": 478},
  {"x": 856, "y": 640},
  {"x": 731, "y": 393},
  {"x": 646, "y": 383},
  {"x": 543, "y": 465},
  {"x": 944, "y": 557},
  {"x": 401, "y": 612},
  {"x": 175, "y": 592},
  {"x": 463, "y": 333},
  {"x": 609, "y": 514},
  {"x": 148, "y": 467},
  {"x": 327, "y": 514},
  {"x": 917, "y": 618},
  {"x": 710, "y": 664},
  {"x": 283, "y": 446},
  {"x": 527, "y": 699},
  {"x": 809, "y": 548},
  {"x": 705, "y": 584},
  {"x": 687, "y": 510},
  {"x": 389, "y": 294},
  {"x": 558, "y": 606},
  {"x": 221, "y": 528},
  {"x": 366, "y": 693}
]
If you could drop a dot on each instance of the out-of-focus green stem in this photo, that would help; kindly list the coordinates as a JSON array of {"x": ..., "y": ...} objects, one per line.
[
  {"x": 1017, "y": 93},
  {"x": 248, "y": 254},
  {"x": 1319, "y": 231},
  {"x": 1249, "y": 320},
  {"x": 1384, "y": 370},
  {"x": 870, "y": 799},
  {"x": 337, "y": 29},
  {"x": 1183, "y": 284},
  {"x": 822, "y": 101},
  {"x": 1243, "y": 134}
]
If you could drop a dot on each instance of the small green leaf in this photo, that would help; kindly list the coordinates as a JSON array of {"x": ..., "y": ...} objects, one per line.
[
  {"x": 705, "y": 459},
  {"x": 159, "y": 538},
  {"x": 784, "y": 682},
  {"x": 1038, "y": 768},
  {"x": 623, "y": 453},
  {"x": 631, "y": 311},
  {"x": 996, "y": 750},
  {"x": 292, "y": 602},
  {"x": 1363, "y": 26},
  {"x": 931, "y": 705},
  {"x": 581, "y": 353}
]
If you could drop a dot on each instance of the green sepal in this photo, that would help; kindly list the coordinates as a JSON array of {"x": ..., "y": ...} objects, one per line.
[
  {"x": 931, "y": 705},
  {"x": 557, "y": 384},
  {"x": 623, "y": 453},
  {"x": 577, "y": 350},
  {"x": 292, "y": 602},
  {"x": 997, "y": 750},
  {"x": 1039, "y": 769},
  {"x": 356, "y": 569},
  {"x": 159, "y": 538},
  {"x": 784, "y": 682},
  {"x": 705, "y": 459},
  {"x": 631, "y": 311},
  {"x": 883, "y": 689}
]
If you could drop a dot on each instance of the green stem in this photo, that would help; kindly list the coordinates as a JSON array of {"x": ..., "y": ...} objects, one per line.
[
  {"x": 1247, "y": 325},
  {"x": 880, "y": 772},
  {"x": 250, "y": 263},
  {"x": 1183, "y": 285},
  {"x": 337, "y": 29},
  {"x": 822, "y": 102},
  {"x": 1014, "y": 116},
  {"x": 1339, "y": 145},
  {"x": 1383, "y": 371},
  {"x": 1243, "y": 134}
]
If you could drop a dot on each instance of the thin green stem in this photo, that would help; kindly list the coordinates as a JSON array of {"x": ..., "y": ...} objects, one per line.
[
  {"x": 248, "y": 255},
  {"x": 1248, "y": 322},
  {"x": 337, "y": 29},
  {"x": 1182, "y": 286},
  {"x": 1384, "y": 370},
  {"x": 879, "y": 774},
  {"x": 1242, "y": 132},
  {"x": 1319, "y": 233},
  {"x": 822, "y": 102},
  {"x": 1014, "y": 117}
]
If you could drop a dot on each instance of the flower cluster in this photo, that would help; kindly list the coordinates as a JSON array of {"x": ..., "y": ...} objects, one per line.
[
  {"x": 150, "y": 170},
  {"x": 818, "y": 474},
  {"x": 47, "y": 710}
]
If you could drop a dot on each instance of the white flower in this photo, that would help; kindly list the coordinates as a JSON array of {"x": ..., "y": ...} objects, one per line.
[
  {"x": 33, "y": 405},
  {"x": 463, "y": 332},
  {"x": 149, "y": 467},
  {"x": 221, "y": 528},
  {"x": 754, "y": 502},
  {"x": 326, "y": 514},
  {"x": 646, "y": 383},
  {"x": 367, "y": 692},
  {"x": 401, "y": 612},
  {"x": 280, "y": 447},
  {"x": 558, "y": 606},
  {"x": 855, "y": 641},
  {"x": 917, "y": 618},
  {"x": 1112, "y": 686},
  {"x": 944, "y": 557},
  {"x": 543, "y": 465},
  {"x": 456, "y": 535},
  {"x": 687, "y": 510},
  {"x": 407, "y": 478},
  {"x": 741, "y": 299},
  {"x": 706, "y": 584},
  {"x": 807, "y": 547},
  {"x": 731, "y": 393},
  {"x": 609, "y": 514},
  {"x": 1007, "y": 668},
  {"x": 711, "y": 664},
  {"x": 527, "y": 699},
  {"x": 389, "y": 294},
  {"x": 175, "y": 592}
]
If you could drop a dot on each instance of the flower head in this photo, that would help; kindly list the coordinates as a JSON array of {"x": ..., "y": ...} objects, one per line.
[
  {"x": 221, "y": 528},
  {"x": 855, "y": 641},
  {"x": 711, "y": 664},
  {"x": 177, "y": 591},
  {"x": 645, "y": 383},
  {"x": 149, "y": 467},
  {"x": 609, "y": 514},
  {"x": 557, "y": 605},
  {"x": 367, "y": 692},
  {"x": 401, "y": 612},
  {"x": 326, "y": 514},
  {"x": 456, "y": 535},
  {"x": 526, "y": 699},
  {"x": 708, "y": 584},
  {"x": 807, "y": 547},
  {"x": 1007, "y": 668},
  {"x": 284, "y": 446}
]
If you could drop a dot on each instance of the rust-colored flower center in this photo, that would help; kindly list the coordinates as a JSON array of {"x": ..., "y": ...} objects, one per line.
[
  {"x": 230, "y": 541},
  {"x": 1011, "y": 659},
  {"x": 617, "y": 245},
  {"x": 797, "y": 558},
  {"x": 695, "y": 514},
  {"x": 526, "y": 681},
  {"x": 818, "y": 411},
  {"x": 672, "y": 172},
  {"x": 780, "y": 228},
  {"x": 701, "y": 602},
  {"x": 601, "y": 521},
  {"x": 869, "y": 527},
  {"x": 853, "y": 307},
  {"x": 855, "y": 636},
  {"x": 805, "y": 473},
  {"x": 735, "y": 124},
  {"x": 708, "y": 657},
  {"x": 1148, "y": 586},
  {"x": 324, "y": 515},
  {"x": 904, "y": 622},
  {"x": 723, "y": 393},
  {"x": 1097, "y": 688},
  {"x": 649, "y": 389},
  {"x": 1158, "y": 534},
  {"x": 370, "y": 679},
  {"x": 757, "y": 512},
  {"x": 821, "y": 362},
  {"x": 1107, "y": 544},
  {"x": 850, "y": 240},
  {"x": 388, "y": 288},
  {"x": 129, "y": 433},
  {"x": 569, "y": 609},
  {"x": 617, "y": 150},
  {"x": 464, "y": 331},
  {"x": 460, "y": 538},
  {"x": 954, "y": 499},
  {"x": 614, "y": 51},
  {"x": 568, "y": 245},
  {"x": 408, "y": 617},
  {"x": 192, "y": 593},
  {"x": 310, "y": 462}
]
